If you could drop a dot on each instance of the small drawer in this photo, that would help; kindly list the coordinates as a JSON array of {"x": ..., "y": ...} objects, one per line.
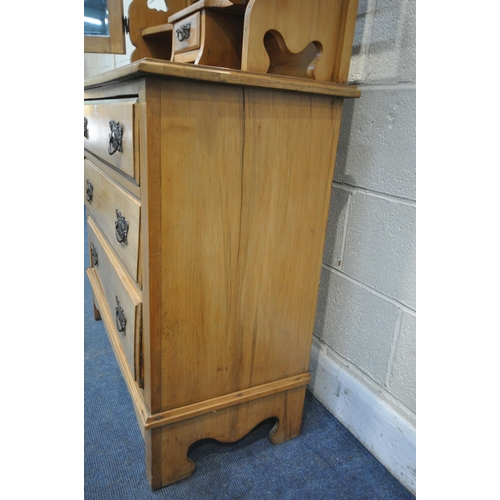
[
  {"x": 110, "y": 133},
  {"x": 187, "y": 34},
  {"x": 122, "y": 299},
  {"x": 117, "y": 213}
]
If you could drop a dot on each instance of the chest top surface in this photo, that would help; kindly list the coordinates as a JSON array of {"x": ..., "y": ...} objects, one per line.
[{"x": 182, "y": 71}]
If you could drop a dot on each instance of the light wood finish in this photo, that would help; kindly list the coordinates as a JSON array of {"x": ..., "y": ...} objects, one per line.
[
  {"x": 98, "y": 115},
  {"x": 193, "y": 40},
  {"x": 206, "y": 4},
  {"x": 150, "y": 31},
  {"x": 168, "y": 460},
  {"x": 228, "y": 77},
  {"x": 108, "y": 318},
  {"x": 187, "y": 57},
  {"x": 115, "y": 175},
  {"x": 154, "y": 35},
  {"x": 158, "y": 40},
  {"x": 310, "y": 39},
  {"x": 107, "y": 198},
  {"x": 329, "y": 24},
  {"x": 154, "y": 30},
  {"x": 226, "y": 401},
  {"x": 221, "y": 41},
  {"x": 215, "y": 39},
  {"x": 236, "y": 172},
  {"x": 116, "y": 284},
  {"x": 251, "y": 244}
]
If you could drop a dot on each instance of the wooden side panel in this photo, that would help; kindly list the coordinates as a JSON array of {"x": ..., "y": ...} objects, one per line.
[
  {"x": 299, "y": 23},
  {"x": 202, "y": 134},
  {"x": 246, "y": 181},
  {"x": 289, "y": 156},
  {"x": 222, "y": 35}
]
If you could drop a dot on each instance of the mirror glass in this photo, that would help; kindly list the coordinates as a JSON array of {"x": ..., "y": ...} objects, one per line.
[{"x": 96, "y": 18}]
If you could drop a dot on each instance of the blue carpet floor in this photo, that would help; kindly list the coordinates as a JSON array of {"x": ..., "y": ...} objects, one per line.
[{"x": 325, "y": 462}]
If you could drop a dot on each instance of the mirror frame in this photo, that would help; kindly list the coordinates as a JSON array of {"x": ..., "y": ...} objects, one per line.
[{"x": 115, "y": 42}]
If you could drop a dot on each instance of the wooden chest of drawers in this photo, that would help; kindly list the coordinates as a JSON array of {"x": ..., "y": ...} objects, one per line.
[{"x": 207, "y": 193}]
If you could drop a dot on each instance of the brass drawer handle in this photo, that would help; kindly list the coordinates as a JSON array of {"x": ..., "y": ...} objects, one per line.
[
  {"x": 183, "y": 32},
  {"x": 93, "y": 252},
  {"x": 85, "y": 129},
  {"x": 121, "y": 227},
  {"x": 89, "y": 191},
  {"x": 121, "y": 320},
  {"x": 115, "y": 137}
]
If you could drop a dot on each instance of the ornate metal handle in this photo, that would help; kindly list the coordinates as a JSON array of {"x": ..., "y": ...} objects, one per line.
[
  {"x": 93, "y": 252},
  {"x": 183, "y": 32},
  {"x": 121, "y": 320},
  {"x": 115, "y": 137},
  {"x": 121, "y": 227},
  {"x": 89, "y": 191},
  {"x": 85, "y": 129}
]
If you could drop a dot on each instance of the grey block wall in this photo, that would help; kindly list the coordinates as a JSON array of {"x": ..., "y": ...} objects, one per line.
[{"x": 366, "y": 315}]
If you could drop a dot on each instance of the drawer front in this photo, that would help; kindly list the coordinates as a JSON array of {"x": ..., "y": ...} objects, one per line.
[
  {"x": 117, "y": 213},
  {"x": 110, "y": 133},
  {"x": 187, "y": 33},
  {"x": 122, "y": 300}
]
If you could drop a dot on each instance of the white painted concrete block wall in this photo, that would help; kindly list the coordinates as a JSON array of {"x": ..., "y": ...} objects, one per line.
[{"x": 363, "y": 356}]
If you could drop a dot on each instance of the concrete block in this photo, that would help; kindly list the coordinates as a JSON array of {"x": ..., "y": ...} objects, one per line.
[
  {"x": 384, "y": 46},
  {"x": 90, "y": 65},
  {"x": 377, "y": 146},
  {"x": 106, "y": 62},
  {"x": 402, "y": 382},
  {"x": 361, "y": 42},
  {"x": 380, "y": 247},
  {"x": 337, "y": 217},
  {"x": 355, "y": 323},
  {"x": 392, "y": 51},
  {"x": 124, "y": 59}
]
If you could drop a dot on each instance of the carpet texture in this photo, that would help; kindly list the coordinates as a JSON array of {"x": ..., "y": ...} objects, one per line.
[{"x": 325, "y": 462}]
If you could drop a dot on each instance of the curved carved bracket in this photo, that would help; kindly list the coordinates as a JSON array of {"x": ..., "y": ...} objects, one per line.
[
  {"x": 285, "y": 62},
  {"x": 177, "y": 437}
]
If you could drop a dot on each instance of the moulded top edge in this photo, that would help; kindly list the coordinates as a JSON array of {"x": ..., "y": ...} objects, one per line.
[{"x": 168, "y": 69}]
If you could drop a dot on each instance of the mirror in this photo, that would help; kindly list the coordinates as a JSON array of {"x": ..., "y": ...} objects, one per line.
[
  {"x": 103, "y": 26},
  {"x": 95, "y": 18}
]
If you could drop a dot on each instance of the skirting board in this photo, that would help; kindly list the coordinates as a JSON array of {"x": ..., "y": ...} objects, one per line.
[{"x": 384, "y": 432}]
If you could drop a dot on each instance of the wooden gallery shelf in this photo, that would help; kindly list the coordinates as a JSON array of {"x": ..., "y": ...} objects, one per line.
[{"x": 207, "y": 209}]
